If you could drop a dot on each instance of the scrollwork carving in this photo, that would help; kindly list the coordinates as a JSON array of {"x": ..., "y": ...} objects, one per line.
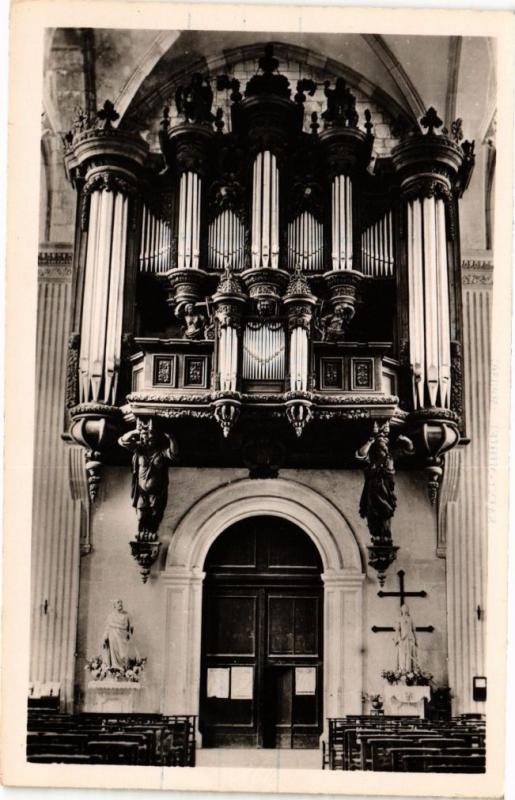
[{"x": 72, "y": 371}]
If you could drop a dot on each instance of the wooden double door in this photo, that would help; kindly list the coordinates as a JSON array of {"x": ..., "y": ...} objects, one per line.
[{"x": 262, "y": 668}]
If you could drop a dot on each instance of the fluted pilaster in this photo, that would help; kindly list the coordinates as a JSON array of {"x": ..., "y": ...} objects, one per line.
[
  {"x": 56, "y": 518},
  {"x": 467, "y": 516}
]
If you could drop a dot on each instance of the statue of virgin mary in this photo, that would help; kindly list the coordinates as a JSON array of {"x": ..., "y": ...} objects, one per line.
[{"x": 406, "y": 643}]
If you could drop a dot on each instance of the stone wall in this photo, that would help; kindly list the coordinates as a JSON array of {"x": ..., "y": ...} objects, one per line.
[{"x": 109, "y": 571}]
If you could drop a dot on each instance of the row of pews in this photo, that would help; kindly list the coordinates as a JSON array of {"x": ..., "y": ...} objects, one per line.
[
  {"x": 92, "y": 738},
  {"x": 406, "y": 744}
]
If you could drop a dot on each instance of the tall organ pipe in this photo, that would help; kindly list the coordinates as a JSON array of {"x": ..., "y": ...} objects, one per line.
[
  {"x": 377, "y": 248},
  {"x": 429, "y": 320},
  {"x": 265, "y": 211}
]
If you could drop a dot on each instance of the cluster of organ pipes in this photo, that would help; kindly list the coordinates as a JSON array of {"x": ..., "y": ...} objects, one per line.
[
  {"x": 265, "y": 211},
  {"x": 102, "y": 311},
  {"x": 377, "y": 250},
  {"x": 264, "y": 348},
  {"x": 156, "y": 244},
  {"x": 226, "y": 241},
  {"x": 228, "y": 359},
  {"x": 299, "y": 353},
  {"x": 341, "y": 211},
  {"x": 429, "y": 322},
  {"x": 306, "y": 243},
  {"x": 188, "y": 245}
]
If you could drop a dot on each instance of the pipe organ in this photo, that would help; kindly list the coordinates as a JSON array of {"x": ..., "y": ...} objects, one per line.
[{"x": 286, "y": 282}]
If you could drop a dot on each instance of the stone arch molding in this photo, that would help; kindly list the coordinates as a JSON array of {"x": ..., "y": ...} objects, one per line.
[
  {"x": 343, "y": 579},
  {"x": 294, "y": 501}
]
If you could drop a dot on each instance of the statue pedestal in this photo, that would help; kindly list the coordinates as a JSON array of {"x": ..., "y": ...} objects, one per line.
[
  {"x": 405, "y": 701},
  {"x": 111, "y": 697}
]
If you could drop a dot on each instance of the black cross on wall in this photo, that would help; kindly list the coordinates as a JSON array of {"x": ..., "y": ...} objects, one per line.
[{"x": 402, "y": 594}]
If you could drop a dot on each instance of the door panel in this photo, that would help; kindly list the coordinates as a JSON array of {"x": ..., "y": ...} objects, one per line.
[
  {"x": 231, "y": 622},
  {"x": 262, "y": 624}
]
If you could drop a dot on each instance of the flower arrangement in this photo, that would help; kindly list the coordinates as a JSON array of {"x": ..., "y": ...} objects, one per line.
[
  {"x": 100, "y": 671},
  {"x": 376, "y": 700},
  {"x": 415, "y": 678}
]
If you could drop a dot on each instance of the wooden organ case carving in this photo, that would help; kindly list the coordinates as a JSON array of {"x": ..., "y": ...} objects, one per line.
[{"x": 268, "y": 276}]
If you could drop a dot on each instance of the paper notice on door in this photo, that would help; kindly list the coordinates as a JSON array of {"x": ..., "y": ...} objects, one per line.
[
  {"x": 305, "y": 680},
  {"x": 242, "y": 680},
  {"x": 218, "y": 682}
]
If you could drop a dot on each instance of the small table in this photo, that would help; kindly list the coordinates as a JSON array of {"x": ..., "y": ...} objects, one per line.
[{"x": 405, "y": 701}]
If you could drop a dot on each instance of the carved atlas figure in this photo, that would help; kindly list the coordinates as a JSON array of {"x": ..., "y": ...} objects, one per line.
[{"x": 153, "y": 453}]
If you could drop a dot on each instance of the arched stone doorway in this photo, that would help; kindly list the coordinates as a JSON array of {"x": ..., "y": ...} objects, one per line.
[
  {"x": 342, "y": 577},
  {"x": 261, "y": 678}
]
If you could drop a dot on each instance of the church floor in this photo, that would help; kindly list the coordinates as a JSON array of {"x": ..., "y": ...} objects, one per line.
[{"x": 250, "y": 757}]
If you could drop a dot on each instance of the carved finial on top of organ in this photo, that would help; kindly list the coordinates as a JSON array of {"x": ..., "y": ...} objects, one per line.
[
  {"x": 219, "y": 120},
  {"x": 341, "y": 105},
  {"x": 194, "y": 101},
  {"x": 224, "y": 82},
  {"x": 368, "y": 122},
  {"x": 107, "y": 115},
  {"x": 431, "y": 120},
  {"x": 269, "y": 82}
]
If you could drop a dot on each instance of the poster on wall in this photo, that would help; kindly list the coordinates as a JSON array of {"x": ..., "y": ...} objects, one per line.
[
  {"x": 218, "y": 682},
  {"x": 305, "y": 680},
  {"x": 242, "y": 682}
]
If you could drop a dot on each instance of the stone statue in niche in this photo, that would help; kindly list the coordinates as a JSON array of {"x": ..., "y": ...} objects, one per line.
[
  {"x": 194, "y": 322},
  {"x": 116, "y": 638},
  {"x": 405, "y": 641},
  {"x": 153, "y": 453}
]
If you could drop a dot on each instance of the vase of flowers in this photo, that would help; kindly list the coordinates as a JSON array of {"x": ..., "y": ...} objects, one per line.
[{"x": 375, "y": 700}]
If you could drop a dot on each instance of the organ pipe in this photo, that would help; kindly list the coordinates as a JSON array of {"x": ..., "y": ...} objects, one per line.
[
  {"x": 377, "y": 248},
  {"x": 429, "y": 321},
  {"x": 102, "y": 313},
  {"x": 265, "y": 211},
  {"x": 299, "y": 348},
  {"x": 226, "y": 240},
  {"x": 305, "y": 243},
  {"x": 341, "y": 222},
  {"x": 263, "y": 351},
  {"x": 155, "y": 254},
  {"x": 189, "y": 221}
]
